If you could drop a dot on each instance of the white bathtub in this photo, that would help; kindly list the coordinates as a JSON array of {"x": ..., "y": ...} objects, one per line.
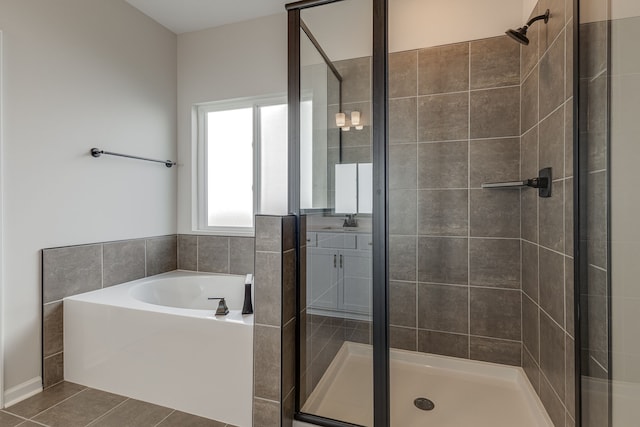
[{"x": 178, "y": 354}]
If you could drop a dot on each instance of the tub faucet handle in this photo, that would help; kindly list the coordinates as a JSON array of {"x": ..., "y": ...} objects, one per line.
[{"x": 222, "y": 309}]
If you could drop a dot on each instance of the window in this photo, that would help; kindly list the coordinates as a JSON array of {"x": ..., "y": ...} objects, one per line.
[{"x": 242, "y": 163}]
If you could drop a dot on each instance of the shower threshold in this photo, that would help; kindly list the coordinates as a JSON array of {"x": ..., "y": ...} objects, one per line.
[{"x": 464, "y": 392}]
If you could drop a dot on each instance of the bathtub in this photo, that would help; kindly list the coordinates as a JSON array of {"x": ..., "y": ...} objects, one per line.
[{"x": 157, "y": 340}]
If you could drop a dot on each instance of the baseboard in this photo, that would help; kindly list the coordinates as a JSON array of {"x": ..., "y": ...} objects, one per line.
[{"x": 22, "y": 391}]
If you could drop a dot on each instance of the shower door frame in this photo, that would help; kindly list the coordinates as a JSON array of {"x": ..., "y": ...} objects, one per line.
[{"x": 380, "y": 224}]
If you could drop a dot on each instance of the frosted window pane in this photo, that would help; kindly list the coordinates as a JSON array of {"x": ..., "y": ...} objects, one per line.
[
  {"x": 347, "y": 188},
  {"x": 306, "y": 155},
  {"x": 273, "y": 165},
  {"x": 230, "y": 168},
  {"x": 365, "y": 188}
]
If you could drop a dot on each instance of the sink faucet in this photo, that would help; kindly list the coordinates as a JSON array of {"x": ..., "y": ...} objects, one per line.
[
  {"x": 350, "y": 221},
  {"x": 222, "y": 309}
]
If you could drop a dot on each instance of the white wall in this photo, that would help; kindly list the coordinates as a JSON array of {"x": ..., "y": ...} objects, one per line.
[
  {"x": 231, "y": 61},
  {"x": 78, "y": 74}
]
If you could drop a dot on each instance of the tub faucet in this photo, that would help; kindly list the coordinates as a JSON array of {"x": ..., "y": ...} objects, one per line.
[
  {"x": 247, "y": 307},
  {"x": 222, "y": 309}
]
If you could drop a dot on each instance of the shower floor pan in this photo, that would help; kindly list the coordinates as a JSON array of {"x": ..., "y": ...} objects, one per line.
[{"x": 465, "y": 393}]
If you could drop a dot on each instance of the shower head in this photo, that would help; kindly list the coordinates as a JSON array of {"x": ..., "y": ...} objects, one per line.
[{"x": 520, "y": 35}]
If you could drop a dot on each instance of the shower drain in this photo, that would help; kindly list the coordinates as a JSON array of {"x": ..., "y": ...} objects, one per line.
[{"x": 424, "y": 404}]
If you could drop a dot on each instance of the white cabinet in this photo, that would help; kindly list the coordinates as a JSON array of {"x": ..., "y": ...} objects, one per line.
[{"x": 339, "y": 273}]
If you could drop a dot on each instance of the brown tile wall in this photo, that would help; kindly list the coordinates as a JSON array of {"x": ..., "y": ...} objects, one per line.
[
  {"x": 73, "y": 270},
  {"x": 274, "y": 321},
  {"x": 547, "y": 223},
  {"x": 454, "y": 248}
]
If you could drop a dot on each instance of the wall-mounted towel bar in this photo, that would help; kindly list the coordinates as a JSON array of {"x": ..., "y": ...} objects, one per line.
[
  {"x": 542, "y": 183},
  {"x": 96, "y": 152}
]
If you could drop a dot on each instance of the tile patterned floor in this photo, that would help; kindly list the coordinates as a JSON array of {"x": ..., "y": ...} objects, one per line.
[{"x": 71, "y": 405}]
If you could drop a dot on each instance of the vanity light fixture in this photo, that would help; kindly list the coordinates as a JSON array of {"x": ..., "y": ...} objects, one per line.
[
  {"x": 355, "y": 120},
  {"x": 341, "y": 121}
]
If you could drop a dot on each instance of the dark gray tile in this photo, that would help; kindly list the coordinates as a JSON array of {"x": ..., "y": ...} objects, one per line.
[
  {"x": 81, "y": 409},
  {"x": 495, "y": 62},
  {"x": 594, "y": 47},
  {"x": 52, "y": 396},
  {"x": 529, "y": 154},
  {"x": 188, "y": 252},
  {"x": 569, "y": 58},
  {"x": 495, "y": 351},
  {"x": 134, "y": 413},
  {"x": 443, "y": 308},
  {"x": 552, "y": 403},
  {"x": 268, "y": 233},
  {"x": 454, "y": 345},
  {"x": 552, "y": 284},
  {"x": 268, "y": 289},
  {"x": 570, "y": 372},
  {"x": 403, "y": 116},
  {"x": 494, "y": 263},
  {"x": 551, "y": 211},
  {"x": 403, "y": 77},
  {"x": 266, "y": 413},
  {"x": 494, "y": 160},
  {"x": 162, "y": 255},
  {"x": 403, "y": 211},
  {"x": 568, "y": 217},
  {"x": 52, "y": 328},
  {"x": 495, "y": 113},
  {"x": 597, "y": 219},
  {"x": 123, "y": 262},
  {"x": 53, "y": 370},
  {"x": 552, "y": 353},
  {"x": 443, "y": 69},
  {"x": 529, "y": 222},
  {"x": 443, "y": 165},
  {"x": 288, "y": 232},
  {"x": 568, "y": 139},
  {"x": 529, "y": 102},
  {"x": 532, "y": 370},
  {"x": 403, "y": 338},
  {"x": 531, "y": 327},
  {"x": 181, "y": 419},
  {"x": 495, "y": 213},
  {"x": 569, "y": 323},
  {"x": 569, "y": 422},
  {"x": 288, "y": 410},
  {"x": 356, "y": 155},
  {"x": 266, "y": 368},
  {"x": 356, "y": 79},
  {"x": 557, "y": 21},
  {"x": 552, "y": 82},
  {"x": 530, "y": 270},
  {"x": 241, "y": 255},
  {"x": 529, "y": 54},
  {"x": 288, "y": 286},
  {"x": 403, "y": 166},
  {"x": 8, "y": 420},
  {"x": 597, "y": 334},
  {"x": 71, "y": 271},
  {"x": 213, "y": 254},
  {"x": 443, "y": 117},
  {"x": 552, "y": 130},
  {"x": 495, "y": 313},
  {"x": 402, "y": 304},
  {"x": 443, "y": 212},
  {"x": 443, "y": 260},
  {"x": 402, "y": 258},
  {"x": 597, "y": 115},
  {"x": 288, "y": 357}
]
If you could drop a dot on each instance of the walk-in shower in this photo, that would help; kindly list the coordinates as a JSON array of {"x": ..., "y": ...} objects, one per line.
[{"x": 452, "y": 300}]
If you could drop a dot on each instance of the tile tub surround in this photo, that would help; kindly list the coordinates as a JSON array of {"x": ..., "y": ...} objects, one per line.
[
  {"x": 274, "y": 317},
  {"x": 216, "y": 254},
  {"x": 69, "y": 404},
  {"x": 455, "y": 248},
  {"x": 547, "y": 224}
]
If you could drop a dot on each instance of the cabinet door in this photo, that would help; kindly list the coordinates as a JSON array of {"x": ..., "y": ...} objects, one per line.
[
  {"x": 356, "y": 281},
  {"x": 322, "y": 278}
]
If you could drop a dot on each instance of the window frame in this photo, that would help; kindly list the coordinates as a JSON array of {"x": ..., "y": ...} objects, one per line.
[{"x": 201, "y": 202}]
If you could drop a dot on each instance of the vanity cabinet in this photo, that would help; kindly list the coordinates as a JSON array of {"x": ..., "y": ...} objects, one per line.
[{"x": 339, "y": 273}]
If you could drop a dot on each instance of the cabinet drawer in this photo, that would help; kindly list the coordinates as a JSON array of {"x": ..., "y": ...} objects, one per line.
[
  {"x": 336, "y": 240},
  {"x": 365, "y": 243},
  {"x": 312, "y": 239}
]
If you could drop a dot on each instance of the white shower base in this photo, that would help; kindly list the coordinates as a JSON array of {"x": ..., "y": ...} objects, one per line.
[{"x": 465, "y": 393}]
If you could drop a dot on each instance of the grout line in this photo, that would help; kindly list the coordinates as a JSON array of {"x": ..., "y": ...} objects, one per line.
[
  {"x": 108, "y": 412},
  {"x": 162, "y": 420},
  {"x": 62, "y": 401}
]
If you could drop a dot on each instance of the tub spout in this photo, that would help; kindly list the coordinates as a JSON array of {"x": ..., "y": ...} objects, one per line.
[
  {"x": 247, "y": 307},
  {"x": 222, "y": 310}
]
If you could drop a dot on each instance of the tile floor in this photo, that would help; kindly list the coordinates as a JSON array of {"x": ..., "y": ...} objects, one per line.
[{"x": 71, "y": 405}]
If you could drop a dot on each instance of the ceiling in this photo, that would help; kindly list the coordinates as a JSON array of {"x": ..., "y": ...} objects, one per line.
[{"x": 182, "y": 16}]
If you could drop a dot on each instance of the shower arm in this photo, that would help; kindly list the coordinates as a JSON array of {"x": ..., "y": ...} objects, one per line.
[{"x": 538, "y": 18}]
